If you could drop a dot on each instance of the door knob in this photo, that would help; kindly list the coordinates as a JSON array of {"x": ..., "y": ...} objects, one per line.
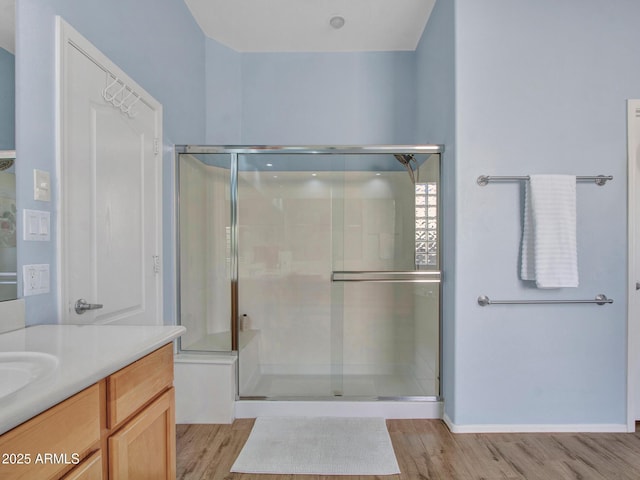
[
  {"x": 637, "y": 285},
  {"x": 82, "y": 306}
]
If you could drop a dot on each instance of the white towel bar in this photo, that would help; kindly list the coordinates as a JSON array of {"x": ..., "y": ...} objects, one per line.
[
  {"x": 483, "y": 301},
  {"x": 483, "y": 180}
]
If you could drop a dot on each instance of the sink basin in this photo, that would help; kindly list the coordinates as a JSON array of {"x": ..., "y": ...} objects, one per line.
[{"x": 19, "y": 369}]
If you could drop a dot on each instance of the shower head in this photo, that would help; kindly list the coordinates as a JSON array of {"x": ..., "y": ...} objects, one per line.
[
  {"x": 406, "y": 159},
  {"x": 5, "y": 163},
  {"x": 7, "y": 158}
]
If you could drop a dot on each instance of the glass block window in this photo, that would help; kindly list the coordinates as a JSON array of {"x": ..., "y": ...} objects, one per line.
[{"x": 426, "y": 222}]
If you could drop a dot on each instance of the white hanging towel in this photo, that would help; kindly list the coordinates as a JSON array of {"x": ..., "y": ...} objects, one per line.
[{"x": 549, "y": 250}]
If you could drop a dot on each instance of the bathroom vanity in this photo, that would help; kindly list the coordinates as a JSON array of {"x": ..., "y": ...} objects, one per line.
[{"x": 104, "y": 409}]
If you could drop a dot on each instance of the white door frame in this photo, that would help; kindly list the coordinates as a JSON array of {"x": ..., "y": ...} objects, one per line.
[
  {"x": 66, "y": 34},
  {"x": 633, "y": 313}
]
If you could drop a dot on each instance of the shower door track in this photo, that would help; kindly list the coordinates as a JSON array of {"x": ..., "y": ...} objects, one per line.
[
  {"x": 334, "y": 398},
  {"x": 309, "y": 149}
]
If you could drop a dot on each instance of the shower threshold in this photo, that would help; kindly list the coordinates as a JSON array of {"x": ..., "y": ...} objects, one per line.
[
  {"x": 368, "y": 387},
  {"x": 398, "y": 407}
]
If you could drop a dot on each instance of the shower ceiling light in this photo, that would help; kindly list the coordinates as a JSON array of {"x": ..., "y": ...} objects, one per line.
[
  {"x": 269, "y": 164},
  {"x": 336, "y": 22}
]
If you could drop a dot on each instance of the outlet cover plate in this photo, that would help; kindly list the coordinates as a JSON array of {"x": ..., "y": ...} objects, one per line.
[{"x": 35, "y": 279}]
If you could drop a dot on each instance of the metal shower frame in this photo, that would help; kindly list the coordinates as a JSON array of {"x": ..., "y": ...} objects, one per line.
[{"x": 234, "y": 151}]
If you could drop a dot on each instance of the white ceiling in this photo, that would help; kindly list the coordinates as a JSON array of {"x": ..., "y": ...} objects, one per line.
[
  {"x": 293, "y": 25},
  {"x": 7, "y": 25},
  {"x": 303, "y": 25}
]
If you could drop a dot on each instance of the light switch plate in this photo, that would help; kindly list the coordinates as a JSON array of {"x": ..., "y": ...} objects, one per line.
[
  {"x": 37, "y": 225},
  {"x": 35, "y": 279},
  {"x": 41, "y": 185}
]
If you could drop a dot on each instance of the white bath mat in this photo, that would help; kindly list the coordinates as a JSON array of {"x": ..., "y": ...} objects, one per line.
[{"x": 318, "y": 446}]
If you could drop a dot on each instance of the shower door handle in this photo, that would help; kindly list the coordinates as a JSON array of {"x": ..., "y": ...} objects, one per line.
[
  {"x": 82, "y": 306},
  {"x": 411, "y": 276}
]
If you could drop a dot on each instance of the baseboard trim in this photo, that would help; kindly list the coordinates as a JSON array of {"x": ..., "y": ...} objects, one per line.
[{"x": 536, "y": 428}]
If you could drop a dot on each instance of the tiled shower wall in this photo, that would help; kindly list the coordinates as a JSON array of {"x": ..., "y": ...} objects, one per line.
[{"x": 294, "y": 230}]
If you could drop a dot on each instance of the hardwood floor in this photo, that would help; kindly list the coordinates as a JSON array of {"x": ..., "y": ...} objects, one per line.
[{"x": 425, "y": 449}]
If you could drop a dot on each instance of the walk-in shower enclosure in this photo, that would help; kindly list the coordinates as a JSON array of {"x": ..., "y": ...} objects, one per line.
[{"x": 319, "y": 266}]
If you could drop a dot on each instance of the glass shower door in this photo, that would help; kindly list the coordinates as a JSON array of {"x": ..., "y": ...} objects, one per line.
[
  {"x": 285, "y": 259},
  {"x": 319, "y": 266},
  {"x": 338, "y": 274},
  {"x": 386, "y": 278}
]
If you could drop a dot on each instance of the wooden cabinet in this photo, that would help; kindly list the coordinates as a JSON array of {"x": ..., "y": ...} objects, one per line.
[
  {"x": 69, "y": 430},
  {"x": 122, "y": 427},
  {"x": 145, "y": 447},
  {"x": 141, "y": 419},
  {"x": 134, "y": 386}
]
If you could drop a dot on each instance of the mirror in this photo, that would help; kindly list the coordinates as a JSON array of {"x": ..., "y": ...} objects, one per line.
[{"x": 8, "y": 250}]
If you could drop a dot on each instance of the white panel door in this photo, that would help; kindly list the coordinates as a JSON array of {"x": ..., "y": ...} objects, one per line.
[
  {"x": 110, "y": 170},
  {"x": 633, "y": 321}
]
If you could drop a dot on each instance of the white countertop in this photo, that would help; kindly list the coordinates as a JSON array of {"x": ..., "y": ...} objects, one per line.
[{"x": 85, "y": 353}]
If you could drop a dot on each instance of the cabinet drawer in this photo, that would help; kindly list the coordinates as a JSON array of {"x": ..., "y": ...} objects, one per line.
[
  {"x": 67, "y": 430},
  {"x": 131, "y": 388},
  {"x": 90, "y": 469}
]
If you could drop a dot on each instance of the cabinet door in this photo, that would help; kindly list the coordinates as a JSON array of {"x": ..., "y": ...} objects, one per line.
[{"x": 145, "y": 448}]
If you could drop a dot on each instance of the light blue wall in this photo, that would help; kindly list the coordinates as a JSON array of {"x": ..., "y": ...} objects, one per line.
[
  {"x": 541, "y": 88},
  {"x": 517, "y": 88},
  {"x": 7, "y": 100},
  {"x": 435, "y": 95},
  {"x": 328, "y": 98},
  {"x": 310, "y": 98},
  {"x": 224, "y": 94},
  {"x": 158, "y": 44}
]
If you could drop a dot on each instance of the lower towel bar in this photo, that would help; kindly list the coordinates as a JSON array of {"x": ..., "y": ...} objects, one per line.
[
  {"x": 483, "y": 301},
  {"x": 599, "y": 180}
]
